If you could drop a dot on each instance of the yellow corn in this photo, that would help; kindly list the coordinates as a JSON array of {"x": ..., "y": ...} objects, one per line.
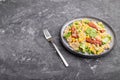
[
  {"x": 81, "y": 39},
  {"x": 100, "y": 50},
  {"x": 87, "y": 36},
  {"x": 73, "y": 39},
  {"x": 93, "y": 49}
]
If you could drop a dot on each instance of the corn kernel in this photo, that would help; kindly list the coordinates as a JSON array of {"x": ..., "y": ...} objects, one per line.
[{"x": 73, "y": 39}]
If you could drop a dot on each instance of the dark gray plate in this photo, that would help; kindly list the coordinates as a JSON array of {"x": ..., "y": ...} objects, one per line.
[{"x": 109, "y": 30}]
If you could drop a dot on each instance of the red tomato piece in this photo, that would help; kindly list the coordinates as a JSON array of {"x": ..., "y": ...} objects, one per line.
[
  {"x": 91, "y": 24},
  {"x": 102, "y": 31},
  {"x": 74, "y": 32},
  {"x": 94, "y": 41}
]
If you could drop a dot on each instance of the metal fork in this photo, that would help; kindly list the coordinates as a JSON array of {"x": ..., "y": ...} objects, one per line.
[{"x": 49, "y": 38}]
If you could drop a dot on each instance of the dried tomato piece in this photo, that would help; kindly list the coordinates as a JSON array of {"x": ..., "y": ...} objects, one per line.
[
  {"x": 102, "y": 31},
  {"x": 91, "y": 24},
  {"x": 94, "y": 41},
  {"x": 74, "y": 32}
]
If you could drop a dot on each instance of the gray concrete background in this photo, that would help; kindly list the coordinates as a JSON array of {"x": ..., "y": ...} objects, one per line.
[{"x": 25, "y": 54}]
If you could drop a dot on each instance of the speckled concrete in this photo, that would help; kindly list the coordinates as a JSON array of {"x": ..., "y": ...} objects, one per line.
[{"x": 25, "y": 54}]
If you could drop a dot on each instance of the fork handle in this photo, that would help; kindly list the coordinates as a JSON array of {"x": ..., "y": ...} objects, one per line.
[{"x": 59, "y": 53}]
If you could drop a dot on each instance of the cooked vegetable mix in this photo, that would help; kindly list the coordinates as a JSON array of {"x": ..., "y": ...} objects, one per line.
[{"x": 87, "y": 36}]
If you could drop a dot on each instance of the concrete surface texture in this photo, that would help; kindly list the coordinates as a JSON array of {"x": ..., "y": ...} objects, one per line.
[{"x": 26, "y": 55}]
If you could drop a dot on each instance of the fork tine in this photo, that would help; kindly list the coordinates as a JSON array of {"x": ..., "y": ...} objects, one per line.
[{"x": 47, "y": 34}]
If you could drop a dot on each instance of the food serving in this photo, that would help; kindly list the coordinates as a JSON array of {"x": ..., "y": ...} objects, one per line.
[{"x": 87, "y": 36}]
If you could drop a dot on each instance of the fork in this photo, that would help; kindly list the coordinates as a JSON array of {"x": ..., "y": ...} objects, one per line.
[{"x": 49, "y": 38}]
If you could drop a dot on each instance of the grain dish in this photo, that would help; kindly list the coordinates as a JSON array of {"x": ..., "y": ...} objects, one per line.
[{"x": 87, "y": 36}]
